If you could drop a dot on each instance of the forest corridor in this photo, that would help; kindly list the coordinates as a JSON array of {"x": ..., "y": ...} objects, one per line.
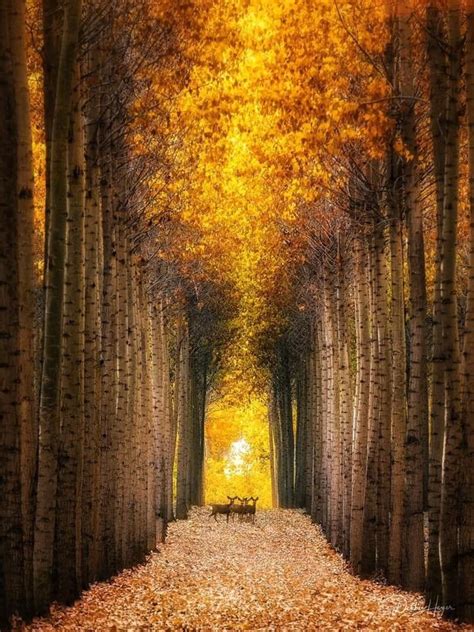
[
  {"x": 277, "y": 574},
  {"x": 237, "y": 258}
]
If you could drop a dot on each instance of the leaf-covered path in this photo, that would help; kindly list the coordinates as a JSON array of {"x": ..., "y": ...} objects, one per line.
[{"x": 279, "y": 574}]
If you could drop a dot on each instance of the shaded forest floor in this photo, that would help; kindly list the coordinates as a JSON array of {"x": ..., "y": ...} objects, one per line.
[{"x": 279, "y": 574}]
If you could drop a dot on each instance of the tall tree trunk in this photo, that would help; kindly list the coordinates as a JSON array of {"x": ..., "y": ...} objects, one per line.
[
  {"x": 109, "y": 379},
  {"x": 149, "y": 423},
  {"x": 398, "y": 398},
  {"x": 384, "y": 412},
  {"x": 301, "y": 433},
  {"x": 26, "y": 302},
  {"x": 69, "y": 491},
  {"x": 369, "y": 547},
  {"x": 52, "y": 348},
  {"x": 183, "y": 426},
  {"x": 466, "y": 530},
  {"x": 346, "y": 401},
  {"x": 12, "y": 585},
  {"x": 168, "y": 421},
  {"x": 417, "y": 421},
  {"x": 437, "y": 60},
  {"x": 92, "y": 337},
  {"x": 273, "y": 453},
  {"x": 317, "y": 500},
  {"x": 451, "y": 488},
  {"x": 359, "y": 456}
]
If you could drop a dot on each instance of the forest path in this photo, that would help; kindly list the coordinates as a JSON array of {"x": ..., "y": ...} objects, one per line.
[{"x": 279, "y": 574}]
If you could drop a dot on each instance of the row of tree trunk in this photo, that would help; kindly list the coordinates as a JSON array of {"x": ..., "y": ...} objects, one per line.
[
  {"x": 384, "y": 385},
  {"x": 89, "y": 428}
]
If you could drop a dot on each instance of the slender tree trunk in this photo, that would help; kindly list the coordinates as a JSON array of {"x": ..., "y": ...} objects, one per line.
[
  {"x": 466, "y": 530},
  {"x": 369, "y": 547},
  {"x": 92, "y": 337},
  {"x": 26, "y": 304},
  {"x": 317, "y": 500},
  {"x": 150, "y": 424},
  {"x": 398, "y": 399},
  {"x": 12, "y": 584},
  {"x": 437, "y": 60},
  {"x": 169, "y": 422},
  {"x": 52, "y": 351},
  {"x": 359, "y": 456},
  {"x": 335, "y": 420},
  {"x": 123, "y": 425},
  {"x": 273, "y": 454},
  {"x": 310, "y": 412},
  {"x": 301, "y": 434},
  {"x": 109, "y": 364},
  {"x": 346, "y": 403},
  {"x": 69, "y": 490},
  {"x": 183, "y": 427},
  {"x": 451, "y": 488},
  {"x": 417, "y": 421},
  {"x": 384, "y": 413}
]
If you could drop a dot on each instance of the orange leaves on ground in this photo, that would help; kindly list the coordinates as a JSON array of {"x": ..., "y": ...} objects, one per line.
[{"x": 278, "y": 574}]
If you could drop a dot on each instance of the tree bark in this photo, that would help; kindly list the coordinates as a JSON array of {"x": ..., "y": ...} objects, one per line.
[
  {"x": 12, "y": 584},
  {"x": 417, "y": 420},
  {"x": 26, "y": 299},
  {"x": 359, "y": 456},
  {"x": 437, "y": 60},
  {"x": 451, "y": 487},
  {"x": 49, "y": 417},
  {"x": 466, "y": 530},
  {"x": 71, "y": 442}
]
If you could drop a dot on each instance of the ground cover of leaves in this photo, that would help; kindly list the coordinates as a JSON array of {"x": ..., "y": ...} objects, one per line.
[{"x": 276, "y": 574}]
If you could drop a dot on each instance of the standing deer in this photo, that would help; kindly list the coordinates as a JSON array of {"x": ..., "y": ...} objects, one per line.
[
  {"x": 238, "y": 509},
  {"x": 222, "y": 509},
  {"x": 251, "y": 510}
]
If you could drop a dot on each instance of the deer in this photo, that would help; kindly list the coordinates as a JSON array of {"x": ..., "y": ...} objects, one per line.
[
  {"x": 222, "y": 509},
  {"x": 251, "y": 510},
  {"x": 238, "y": 509}
]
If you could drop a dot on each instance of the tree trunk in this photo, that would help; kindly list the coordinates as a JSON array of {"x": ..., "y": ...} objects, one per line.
[
  {"x": 49, "y": 418},
  {"x": 417, "y": 421},
  {"x": 385, "y": 382},
  {"x": 109, "y": 365},
  {"x": 437, "y": 60},
  {"x": 369, "y": 547},
  {"x": 184, "y": 447},
  {"x": 398, "y": 399},
  {"x": 71, "y": 442},
  {"x": 92, "y": 337},
  {"x": 12, "y": 584},
  {"x": 359, "y": 456},
  {"x": 26, "y": 299},
  {"x": 451, "y": 488},
  {"x": 346, "y": 402},
  {"x": 466, "y": 530}
]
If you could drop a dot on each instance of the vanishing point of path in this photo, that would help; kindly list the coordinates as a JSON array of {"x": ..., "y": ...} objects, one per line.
[{"x": 279, "y": 574}]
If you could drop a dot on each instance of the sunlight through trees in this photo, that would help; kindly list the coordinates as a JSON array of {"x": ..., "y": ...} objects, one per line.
[
  {"x": 236, "y": 258},
  {"x": 238, "y": 452}
]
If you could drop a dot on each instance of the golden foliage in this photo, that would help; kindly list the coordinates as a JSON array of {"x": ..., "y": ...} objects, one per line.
[
  {"x": 238, "y": 456},
  {"x": 273, "y": 91}
]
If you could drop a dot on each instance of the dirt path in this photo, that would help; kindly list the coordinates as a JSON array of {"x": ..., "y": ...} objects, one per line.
[{"x": 278, "y": 574}]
